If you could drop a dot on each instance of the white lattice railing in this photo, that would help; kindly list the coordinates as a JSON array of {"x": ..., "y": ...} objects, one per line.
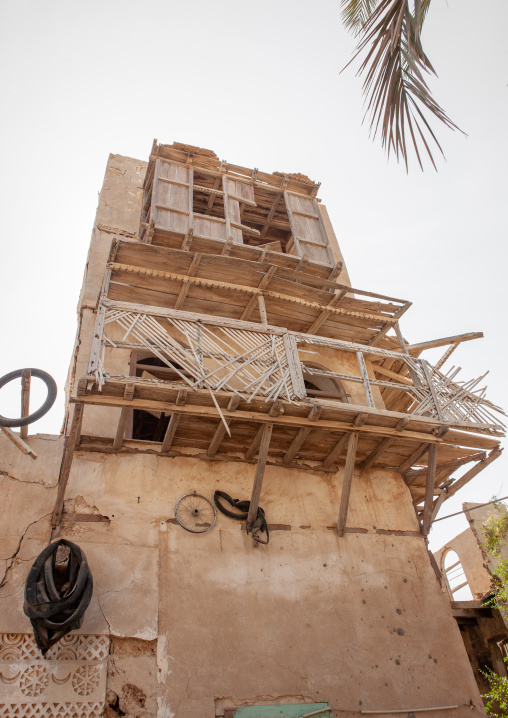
[{"x": 260, "y": 361}]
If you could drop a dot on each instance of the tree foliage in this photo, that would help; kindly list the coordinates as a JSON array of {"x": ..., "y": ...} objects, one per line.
[{"x": 398, "y": 100}]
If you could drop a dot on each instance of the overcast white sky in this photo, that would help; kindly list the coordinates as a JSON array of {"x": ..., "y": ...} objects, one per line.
[{"x": 259, "y": 84}]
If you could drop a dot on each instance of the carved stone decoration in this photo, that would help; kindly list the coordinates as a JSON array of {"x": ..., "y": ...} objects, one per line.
[{"x": 70, "y": 682}]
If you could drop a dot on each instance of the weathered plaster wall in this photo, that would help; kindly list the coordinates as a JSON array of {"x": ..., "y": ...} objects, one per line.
[{"x": 311, "y": 616}]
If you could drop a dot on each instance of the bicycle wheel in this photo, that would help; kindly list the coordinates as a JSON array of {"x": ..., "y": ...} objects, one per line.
[{"x": 195, "y": 513}]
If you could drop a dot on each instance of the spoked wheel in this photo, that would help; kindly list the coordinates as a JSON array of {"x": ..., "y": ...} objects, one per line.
[{"x": 195, "y": 513}]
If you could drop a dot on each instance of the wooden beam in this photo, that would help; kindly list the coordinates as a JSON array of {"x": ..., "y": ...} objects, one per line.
[
  {"x": 265, "y": 281},
  {"x": 258, "y": 477},
  {"x": 460, "y": 483},
  {"x": 380, "y": 449},
  {"x": 301, "y": 436},
  {"x": 415, "y": 456},
  {"x": 339, "y": 446},
  {"x": 416, "y": 349},
  {"x": 66, "y": 464},
  {"x": 220, "y": 432},
  {"x": 185, "y": 287},
  {"x": 458, "y": 438},
  {"x": 262, "y": 310},
  {"x": 429, "y": 489},
  {"x": 26, "y": 375},
  {"x": 321, "y": 319},
  {"x": 411, "y": 476},
  {"x": 347, "y": 481},
  {"x": 18, "y": 441},
  {"x": 400, "y": 378},
  {"x": 173, "y": 423},
  {"x": 124, "y": 418}
]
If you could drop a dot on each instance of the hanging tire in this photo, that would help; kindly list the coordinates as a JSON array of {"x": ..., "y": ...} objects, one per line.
[
  {"x": 57, "y": 596},
  {"x": 50, "y": 399}
]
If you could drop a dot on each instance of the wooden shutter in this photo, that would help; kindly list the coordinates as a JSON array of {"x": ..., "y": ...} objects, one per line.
[
  {"x": 172, "y": 197},
  {"x": 307, "y": 228}
]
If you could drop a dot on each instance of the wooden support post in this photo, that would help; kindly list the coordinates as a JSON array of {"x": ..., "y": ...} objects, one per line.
[
  {"x": 429, "y": 489},
  {"x": 220, "y": 432},
  {"x": 18, "y": 441},
  {"x": 348, "y": 480},
  {"x": 258, "y": 477},
  {"x": 262, "y": 309},
  {"x": 65, "y": 466},
  {"x": 365, "y": 379},
  {"x": 301, "y": 436},
  {"x": 334, "y": 454},
  {"x": 124, "y": 418},
  {"x": 173, "y": 423},
  {"x": 271, "y": 214},
  {"x": 25, "y": 400}
]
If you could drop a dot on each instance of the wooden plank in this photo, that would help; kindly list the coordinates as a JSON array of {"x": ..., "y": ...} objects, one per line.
[
  {"x": 19, "y": 442},
  {"x": 251, "y": 451},
  {"x": 258, "y": 477},
  {"x": 295, "y": 366},
  {"x": 25, "y": 400},
  {"x": 416, "y": 349},
  {"x": 347, "y": 482},
  {"x": 301, "y": 436},
  {"x": 66, "y": 464},
  {"x": 429, "y": 489},
  {"x": 220, "y": 432},
  {"x": 124, "y": 418}
]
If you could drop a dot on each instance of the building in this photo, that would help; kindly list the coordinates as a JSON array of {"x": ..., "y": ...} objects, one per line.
[
  {"x": 221, "y": 346},
  {"x": 466, "y": 567}
]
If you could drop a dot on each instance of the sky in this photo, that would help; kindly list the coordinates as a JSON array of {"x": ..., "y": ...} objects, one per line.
[{"x": 261, "y": 85}]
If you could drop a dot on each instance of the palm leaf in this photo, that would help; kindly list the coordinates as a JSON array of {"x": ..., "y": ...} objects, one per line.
[
  {"x": 398, "y": 100},
  {"x": 355, "y": 13}
]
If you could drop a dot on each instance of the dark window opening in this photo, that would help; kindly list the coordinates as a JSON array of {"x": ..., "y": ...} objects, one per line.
[
  {"x": 325, "y": 387},
  {"x": 152, "y": 425},
  {"x": 270, "y": 218},
  {"x": 204, "y": 200}
]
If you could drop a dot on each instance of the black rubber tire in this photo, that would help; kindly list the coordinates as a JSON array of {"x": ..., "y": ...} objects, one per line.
[
  {"x": 50, "y": 399},
  {"x": 53, "y": 614}
]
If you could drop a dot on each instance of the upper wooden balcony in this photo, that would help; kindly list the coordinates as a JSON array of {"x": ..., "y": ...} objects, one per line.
[{"x": 192, "y": 200}]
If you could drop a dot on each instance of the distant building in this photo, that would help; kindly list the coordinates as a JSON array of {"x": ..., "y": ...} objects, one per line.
[{"x": 466, "y": 568}]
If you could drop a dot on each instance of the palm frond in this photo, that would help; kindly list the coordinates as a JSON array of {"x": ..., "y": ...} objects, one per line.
[
  {"x": 355, "y": 13},
  {"x": 398, "y": 100}
]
